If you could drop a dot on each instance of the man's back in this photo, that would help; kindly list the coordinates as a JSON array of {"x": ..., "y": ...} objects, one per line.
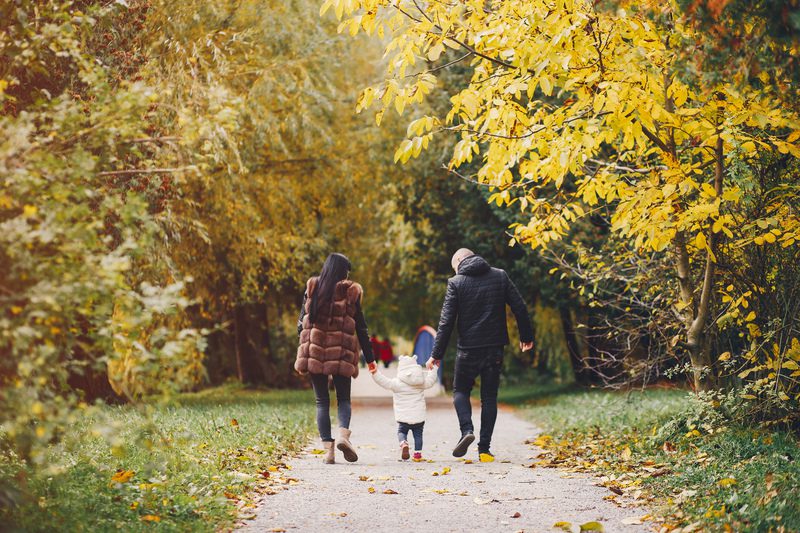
[{"x": 476, "y": 299}]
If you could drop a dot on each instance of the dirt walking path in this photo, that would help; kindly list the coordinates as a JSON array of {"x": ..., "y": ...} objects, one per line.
[{"x": 500, "y": 496}]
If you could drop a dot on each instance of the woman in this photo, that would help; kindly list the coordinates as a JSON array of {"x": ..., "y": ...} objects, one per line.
[{"x": 331, "y": 329}]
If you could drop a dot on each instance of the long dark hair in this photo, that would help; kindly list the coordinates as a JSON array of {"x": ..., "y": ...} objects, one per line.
[{"x": 335, "y": 269}]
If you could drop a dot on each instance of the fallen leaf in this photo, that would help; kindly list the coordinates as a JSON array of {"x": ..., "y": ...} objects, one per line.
[
  {"x": 151, "y": 518},
  {"x": 615, "y": 489},
  {"x": 230, "y": 495},
  {"x": 364, "y": 478},
  {"x": 371, "y": 490},
  {"x": 122, "y": 476},
  {"x": 317, "y": 451},
  {"x": 516, "y": 515},
  {"x": 390, "y": 491},
  {"x": 277, "y": 530},
  {"x": 626, "y": 454},
  {"x": 339, "y": 514},
  {"x": 445, "y": 470},
  {"x": 441, "y": 491},
  {"x": 661, "y": 472},
  {"x": 272, "y": 468},
  {"x": 264, "y": 474},
  {"x": 481, "y": 501},
  {"x": 668, "y": 447},
  {"x": 468, "y": 462},
  {"x": 726, "y": 482},
  {"x": 632, "y": 521},
  {"x": 566, "y": 526},
  {"x": 234, "y": 423},
  {"x": 592, "y": 526}
]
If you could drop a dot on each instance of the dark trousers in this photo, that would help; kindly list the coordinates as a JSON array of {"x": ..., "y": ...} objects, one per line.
[
  {"x": 485, "y": 363},
  {"x": 416, "y": 430},
  {"x": 342, "y": 386}
]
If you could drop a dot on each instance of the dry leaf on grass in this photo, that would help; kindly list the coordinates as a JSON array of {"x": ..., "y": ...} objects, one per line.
[
  {"x": 122, "y": 476},
  {"x": 390, "y": 491}
]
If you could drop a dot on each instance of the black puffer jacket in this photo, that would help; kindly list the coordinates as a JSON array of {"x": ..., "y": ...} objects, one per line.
[{"x": 476, "y": 298}]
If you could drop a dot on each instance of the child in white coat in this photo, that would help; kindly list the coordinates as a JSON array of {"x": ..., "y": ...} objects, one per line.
[{"x": 409, "y": 400}]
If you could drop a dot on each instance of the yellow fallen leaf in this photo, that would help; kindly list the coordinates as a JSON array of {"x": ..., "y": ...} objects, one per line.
[
  {"x": 363, "y": 478},
  {"x": 316, "y": 451},
  {"x": 726, "y": 482},
  {"x": 151, "y": 518},
  {"x": 234, "y": 423},
  {"x": 122, "y": 476},
  {"x": 626, "y": 454},
  {"x": 592, "y": 526},
  {"x": 371, "y": 490},
  {"x": 566, "y": 526}
]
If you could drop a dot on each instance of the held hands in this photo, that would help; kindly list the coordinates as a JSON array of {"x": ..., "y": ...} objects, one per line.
[
  {"x": 525, "y": 346},
  {"x": 433, "y": 363},
  {"x": 372, "y": 367}
]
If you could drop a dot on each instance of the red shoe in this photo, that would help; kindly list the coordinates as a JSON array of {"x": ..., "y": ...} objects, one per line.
[
  {"x": 404, "y": 450},
  {"x": 417, "y": 456}
]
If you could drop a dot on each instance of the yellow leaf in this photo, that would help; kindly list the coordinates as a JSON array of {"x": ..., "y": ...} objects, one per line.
[
  {"x": 122, "y": 476},
  {"x": 700, "y": 241},
  {"x": 371, "y": 490},
  {"x": 151, "y": 518},
  {"x": 626, "y": 454},
  {"x": 726, "y": 482},
  {"x": 29, "y": 210},
  {"x": 566, "y": 526},
  {"x": 592, "y": 526},
  {"x": 709, "y": 190},
  {"x": 234, "y": 423},
  {"x": 724, "y": 356}
]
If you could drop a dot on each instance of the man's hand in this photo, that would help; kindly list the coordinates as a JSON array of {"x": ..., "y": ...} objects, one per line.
[
  {"x": 433, "y": 363},
  {"x": 372, "y": 367},
  {"x": 525, "y": 346}
]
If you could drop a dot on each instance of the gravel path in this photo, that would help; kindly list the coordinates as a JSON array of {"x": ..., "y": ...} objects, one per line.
[{"x": 470, "y": 497}]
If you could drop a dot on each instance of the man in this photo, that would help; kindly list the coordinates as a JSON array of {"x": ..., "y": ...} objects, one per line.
[{"x": 476, "y": 298}]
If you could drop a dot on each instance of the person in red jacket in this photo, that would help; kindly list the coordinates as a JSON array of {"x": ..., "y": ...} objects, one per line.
[{"x": 386, "y": 354}]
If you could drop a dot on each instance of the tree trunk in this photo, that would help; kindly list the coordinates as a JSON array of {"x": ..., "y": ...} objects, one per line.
[{"x": 573, "y": 347}]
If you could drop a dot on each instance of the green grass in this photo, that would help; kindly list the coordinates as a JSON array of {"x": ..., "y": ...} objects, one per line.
[
  {"x": 760, "y": 467},
  {"x": 190, "y": 464}
]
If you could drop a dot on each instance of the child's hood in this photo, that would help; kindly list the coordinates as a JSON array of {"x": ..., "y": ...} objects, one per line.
[{"x": 409, "y": 372}]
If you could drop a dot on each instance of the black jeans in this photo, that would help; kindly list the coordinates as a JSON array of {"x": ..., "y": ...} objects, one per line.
[
  {"x": 485, "y": 363},
  {"x": 342, "y": 386},
  {"x": 416, "y": 430}
]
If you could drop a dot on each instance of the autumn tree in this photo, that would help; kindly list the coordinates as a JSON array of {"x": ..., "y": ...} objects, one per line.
[{"x": 598, "y": 102}]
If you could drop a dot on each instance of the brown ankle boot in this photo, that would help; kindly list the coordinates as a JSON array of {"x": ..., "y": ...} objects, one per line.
[
  {"x": 328, "y": 458},
  {"x": 345, "y": 447}
]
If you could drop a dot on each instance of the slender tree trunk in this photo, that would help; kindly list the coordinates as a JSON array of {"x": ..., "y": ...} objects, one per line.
[
  {"x": 237, "y": 334},
  {"x": 573, "y": 347}
]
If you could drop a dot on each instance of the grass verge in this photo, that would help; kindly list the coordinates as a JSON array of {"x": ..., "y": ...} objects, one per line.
[
  {"x": 696, "y": 469},
  {"x": 193, "y": 465}
]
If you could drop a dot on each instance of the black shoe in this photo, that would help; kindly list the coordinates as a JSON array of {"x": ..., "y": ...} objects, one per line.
[{"x": 461, "y": 448}]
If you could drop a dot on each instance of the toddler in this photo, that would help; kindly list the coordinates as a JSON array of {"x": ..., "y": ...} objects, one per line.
[{"x": 408, "y": 390}]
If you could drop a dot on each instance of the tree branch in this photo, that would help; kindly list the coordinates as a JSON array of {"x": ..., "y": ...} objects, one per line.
[{"x": 132, "y": 171}]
